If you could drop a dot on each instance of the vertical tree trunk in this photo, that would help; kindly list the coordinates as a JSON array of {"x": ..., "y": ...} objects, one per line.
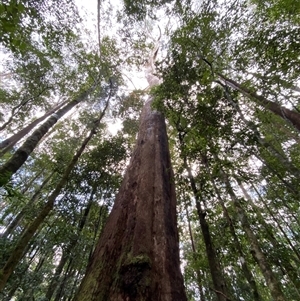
[
  {"x": 256, "y": 251},
  {"x": 137, "y": 256},
  {"x": 198, "y": 272},
  {"x": 283, "y": 262},
  {"x": 66, "y": 253},
  {"x": 220, "y": 287},
  {"x": 245, "y": 268}
]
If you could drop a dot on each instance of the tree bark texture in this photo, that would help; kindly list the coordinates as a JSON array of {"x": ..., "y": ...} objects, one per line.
[{"x": 137, "y": 256}]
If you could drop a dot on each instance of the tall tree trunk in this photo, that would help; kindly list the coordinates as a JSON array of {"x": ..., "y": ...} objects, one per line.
[
  {"x": 220, "y": 287},
  {"x": 256, "y": 251},
  {"x": 292, "y": 116},
  {"x": 28, "y": 233},
  {"x": 282, "y": 262},
  {"x": 245, "y": 268},
  {"x": 198, "y": 272},
  {"x": 137, "y": 256},
  {"x": 21, "y": 155},
  {"x": 278, "y": 223},
  {"x": 8, "y": 143}
]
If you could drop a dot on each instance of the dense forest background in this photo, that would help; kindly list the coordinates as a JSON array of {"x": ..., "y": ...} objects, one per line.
[{"x": 229, "y": 89}]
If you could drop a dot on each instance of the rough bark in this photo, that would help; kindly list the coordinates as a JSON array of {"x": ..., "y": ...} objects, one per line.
[
  {"x": 8, "y": 143},
  {"x": 137, "y": 256},
  {"x": 292, "y": 116},
  {"x": 21, "y": 155}
]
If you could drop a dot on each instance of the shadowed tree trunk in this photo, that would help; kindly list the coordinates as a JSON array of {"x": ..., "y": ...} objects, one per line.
[
  {"x": 23, "y": 152},
  {"x": 137, "y": 256},
  {"x": 292, "y": 116},
  {"x": 197, "y": 270},
  {"x": 220, "y": 287},
  {"x": 246, "y": 270},
  {"x": 219, "y": 283},
  {"x": 8, "y": 143}
]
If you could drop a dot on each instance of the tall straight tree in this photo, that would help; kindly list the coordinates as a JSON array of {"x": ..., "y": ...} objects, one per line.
[{"x": 137, "y": 256}]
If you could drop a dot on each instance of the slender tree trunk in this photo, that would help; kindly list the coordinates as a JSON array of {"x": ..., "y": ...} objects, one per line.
[
  {"x": 14, "y": 223},
  {"x": 66, "y": 253},
  {"x": 8, "y": 143},
  {"x": 245, "y": 268},
  {"x": 28, "y": 233},
  {"x": 258, "y": 255},
  {"x": 198, "y": 273},
  {"x": 283, "y": 262},
  {"x": 21, "y": 155},
  {"x": 69, "y": 273},
  {"x": 220, "y": 287},
  {"x": 74, "y": 286},
  {"x": 278, "y": 223},
  {"x": 292, "y": 116},
  {"x": 137, "y": 256}
]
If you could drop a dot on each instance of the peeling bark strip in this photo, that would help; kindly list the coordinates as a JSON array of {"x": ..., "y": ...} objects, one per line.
[
  {"x": 23, "y": 152},
  {"x": 137, "y": 256}
]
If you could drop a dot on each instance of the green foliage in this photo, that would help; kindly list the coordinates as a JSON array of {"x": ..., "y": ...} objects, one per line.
[{"x": 213, "y": 128}]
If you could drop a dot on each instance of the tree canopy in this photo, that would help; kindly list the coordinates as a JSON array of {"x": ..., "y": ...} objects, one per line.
[{"x": 72, "y": 90}]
